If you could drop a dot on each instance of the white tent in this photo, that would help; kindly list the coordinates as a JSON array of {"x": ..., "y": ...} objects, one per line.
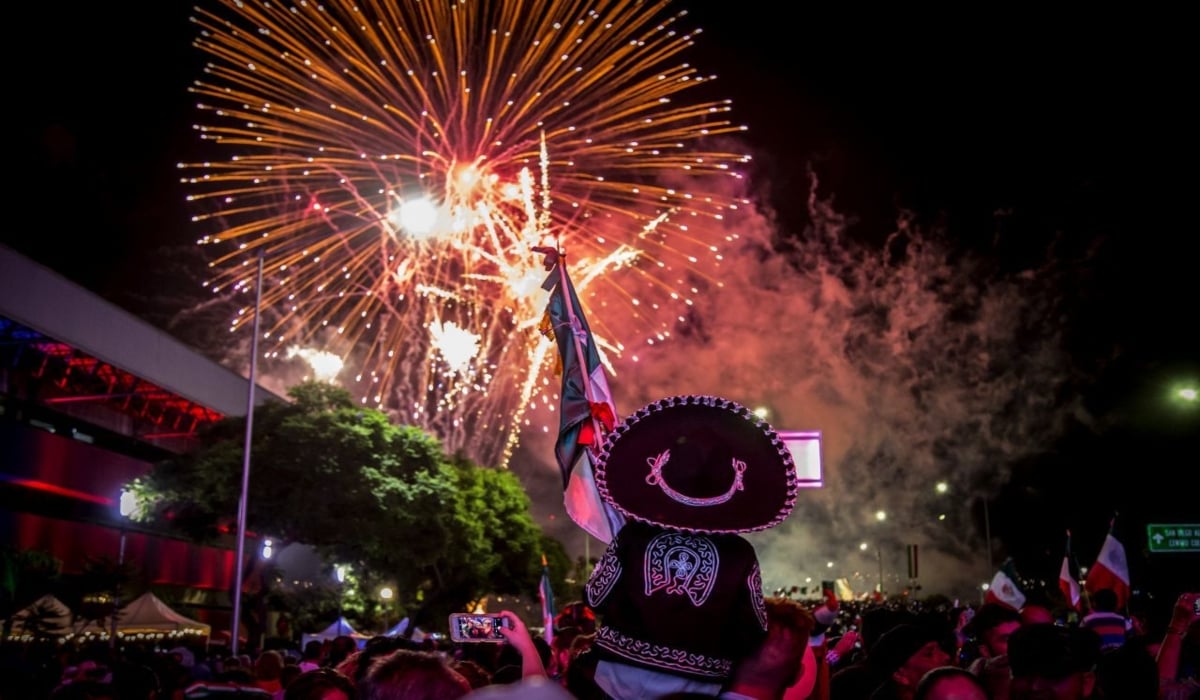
[
  {"x": 147, "y": 614},
  {"x": 339, "y": 628},
  {"x": 45, "y": 617}
]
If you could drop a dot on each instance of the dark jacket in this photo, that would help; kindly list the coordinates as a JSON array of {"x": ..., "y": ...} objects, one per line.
[{"x": 678, "y": 602}]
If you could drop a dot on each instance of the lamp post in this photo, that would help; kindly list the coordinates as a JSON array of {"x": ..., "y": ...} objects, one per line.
[
  {"x": 126, "y": 505},
  {"x": 241, "y": 519},
  {"x": 386, "y": 594},
  {"x": 943, "y": 488},
  {"x": 340, "y": 572},
  {"x": 987, "y": 535}
]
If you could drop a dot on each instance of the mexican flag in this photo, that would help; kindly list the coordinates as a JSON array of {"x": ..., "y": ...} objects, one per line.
[
  {"x": 1111, "y": 570},
  {"x": 587, "y": 411},
  {"x": 546, "y": 596},
  {"x": 1067, "y": 584},
  {"x": 1067, "y": 581},
  {"x": 1004, "y": 588}
]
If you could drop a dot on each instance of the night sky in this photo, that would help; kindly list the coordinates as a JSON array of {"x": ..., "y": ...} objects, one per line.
[{"x": 1008, "y": 132}]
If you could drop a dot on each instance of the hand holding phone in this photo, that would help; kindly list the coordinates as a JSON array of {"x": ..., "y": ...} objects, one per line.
[{"x": 477, "y": 627}]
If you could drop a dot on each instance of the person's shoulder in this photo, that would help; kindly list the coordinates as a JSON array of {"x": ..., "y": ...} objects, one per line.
[{"x": 976, "y": 666}]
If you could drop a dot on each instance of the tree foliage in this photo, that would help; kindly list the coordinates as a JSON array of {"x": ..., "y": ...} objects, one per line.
[{"x": 362, "y": 491}]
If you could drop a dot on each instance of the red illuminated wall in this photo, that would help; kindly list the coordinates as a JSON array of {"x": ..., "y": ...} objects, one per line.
[
  {"x": 35, "y": 459},
  {"x": 160, "y": 560}
]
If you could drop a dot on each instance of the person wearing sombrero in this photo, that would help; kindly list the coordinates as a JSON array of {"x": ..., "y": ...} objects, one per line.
[{"x": 678, "y": 590}]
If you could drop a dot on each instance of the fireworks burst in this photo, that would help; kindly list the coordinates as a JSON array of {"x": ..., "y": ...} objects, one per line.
[{"x": 335, "y": 121}]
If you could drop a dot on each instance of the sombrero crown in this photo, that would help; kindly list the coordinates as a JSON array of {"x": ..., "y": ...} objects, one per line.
[{"x": 697, "y": 463}]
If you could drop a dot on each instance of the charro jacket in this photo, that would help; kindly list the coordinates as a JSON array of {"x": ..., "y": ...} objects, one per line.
[{"x": 678, "y": 602}]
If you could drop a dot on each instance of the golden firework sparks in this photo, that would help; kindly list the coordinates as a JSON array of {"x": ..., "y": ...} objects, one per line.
[{"x": 331, "y": 122}]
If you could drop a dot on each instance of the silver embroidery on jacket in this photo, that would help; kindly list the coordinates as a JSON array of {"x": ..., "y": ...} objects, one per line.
[
  {"x": 681, "y": 564},
  {"x": 754, "y": 581},
  {"x": 661, "y": 655},
  {"x": 603, "y": 578}
]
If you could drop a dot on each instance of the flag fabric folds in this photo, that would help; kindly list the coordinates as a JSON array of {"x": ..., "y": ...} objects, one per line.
[
  {"x": 1067, "y": 582},
  {"x": 1111, "y": 570},
  {"x": 587, "y": 409},
  {"x": 1004, "y": 588},
  {"x": 546, "y": 595}
]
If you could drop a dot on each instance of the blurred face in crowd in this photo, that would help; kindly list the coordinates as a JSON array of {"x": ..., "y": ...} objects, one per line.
[
  {"x": 955, "y": 688},
  {"x": 995, "y": 640},
  {"x": 1036, "y": 614},
  {"x": 1073, "y": 686},
  {"x": 926, "y": 659}
]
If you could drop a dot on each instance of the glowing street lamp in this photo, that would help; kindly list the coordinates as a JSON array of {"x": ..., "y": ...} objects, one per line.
[
  {"x": 340, "y": 572},
  {"x": 386, "y": 594},
  {"x": 126, "y": 506}
]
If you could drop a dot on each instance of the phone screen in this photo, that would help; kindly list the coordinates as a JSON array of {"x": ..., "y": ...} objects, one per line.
[{"x": 465, "y": 627}]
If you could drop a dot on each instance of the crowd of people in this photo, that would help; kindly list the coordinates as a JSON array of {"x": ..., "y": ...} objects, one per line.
[
  {"x": 675, "y": 609},
  {"x": 821, "y": 650}
]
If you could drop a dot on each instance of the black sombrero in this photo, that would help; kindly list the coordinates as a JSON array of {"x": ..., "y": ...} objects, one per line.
[{"x": 697, "y": 463}]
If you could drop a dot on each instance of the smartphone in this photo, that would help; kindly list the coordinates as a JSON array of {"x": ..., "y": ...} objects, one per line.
[{"x": 476, "y": 627}]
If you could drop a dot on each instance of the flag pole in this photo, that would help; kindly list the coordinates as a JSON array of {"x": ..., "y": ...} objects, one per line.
[
  {"x": 560, "y": 259},
  {"x": 241, "y": 522},
  {"x": 1112, "y": 524},
  {"x": 1083, "y": 594},
  {"x": 573, "y": 320}
]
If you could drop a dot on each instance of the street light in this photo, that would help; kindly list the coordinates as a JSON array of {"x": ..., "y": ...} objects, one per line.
[
  {"x": 942, "y": 488},
  {"x": 386, "y": 594},
  {"x": 340, "y": 572},
  {"x": 126, "y": 505},
  {"x": 879, "y": 558}
]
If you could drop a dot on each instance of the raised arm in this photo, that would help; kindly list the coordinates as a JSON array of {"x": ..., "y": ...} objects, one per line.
[
  {"x": 516, "y": 634},
  {"x": 1182, "y": 617}
]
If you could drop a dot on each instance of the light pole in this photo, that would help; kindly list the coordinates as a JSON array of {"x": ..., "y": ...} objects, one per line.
[
  {"x": 943, "y": 488},
  {"x": 880, "y": 517},
  {"x": 386, "y": 594},
  {"x": 126, "y": 505},
  {"x": 241, "y": 520},
  {"x": 340, "y": 572},
  {"x": 987, "y": 535}
]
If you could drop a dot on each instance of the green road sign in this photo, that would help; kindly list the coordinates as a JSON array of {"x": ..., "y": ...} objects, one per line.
[{"x": 1173, "y": 538}]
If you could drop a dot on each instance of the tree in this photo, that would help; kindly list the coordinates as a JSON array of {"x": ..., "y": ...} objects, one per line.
[
  {"x": 362, "y": 491},
  {"x": 25, "y": 575}
]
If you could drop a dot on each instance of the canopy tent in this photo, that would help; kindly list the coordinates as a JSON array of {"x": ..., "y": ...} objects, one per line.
[
  {"x": 45, "y": 617},
  {"x": 399, "y": 630},
  {"x": 339, "y": 628},
  {"x": 147, "y": 614}
]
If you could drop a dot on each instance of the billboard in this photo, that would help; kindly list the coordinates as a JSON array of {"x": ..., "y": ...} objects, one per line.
[{"x": 805, "y": 446}]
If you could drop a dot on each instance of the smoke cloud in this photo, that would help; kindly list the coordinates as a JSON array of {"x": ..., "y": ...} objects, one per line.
[{"x": 918, "y": 362}]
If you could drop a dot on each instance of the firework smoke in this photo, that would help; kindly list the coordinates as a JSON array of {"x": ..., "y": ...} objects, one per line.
[{"x": 917, "y": 362}]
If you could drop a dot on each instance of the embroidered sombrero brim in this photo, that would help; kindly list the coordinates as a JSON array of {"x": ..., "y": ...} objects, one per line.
[{"x": 697, "y": 463}]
